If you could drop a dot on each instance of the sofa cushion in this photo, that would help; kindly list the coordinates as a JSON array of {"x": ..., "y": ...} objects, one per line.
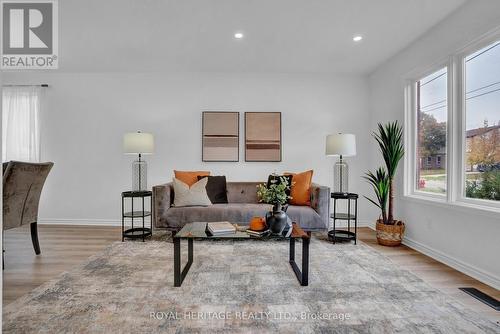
[
  {"x": 189, "y": 177},
  {"x": 301, "y": 188},
  {"x": 242, "y": 192},
  {"x": 188, "y": 196},
  {"x": 240, "y": 213},
  {"x": 306, "y": 217},
  {"x": 216, "y": 188}
]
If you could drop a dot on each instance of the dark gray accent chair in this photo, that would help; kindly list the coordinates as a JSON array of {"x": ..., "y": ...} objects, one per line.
[
  {"x": 22, "y": 186},
  {"x": 243, "y": 205}
]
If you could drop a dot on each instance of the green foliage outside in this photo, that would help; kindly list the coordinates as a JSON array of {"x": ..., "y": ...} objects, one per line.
[
  {"x": 432, "y": 134},
  {"x": 485, "y": 187}
]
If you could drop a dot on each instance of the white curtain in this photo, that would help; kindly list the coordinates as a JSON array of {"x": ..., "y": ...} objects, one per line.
[{"x": 20, "y": 123}]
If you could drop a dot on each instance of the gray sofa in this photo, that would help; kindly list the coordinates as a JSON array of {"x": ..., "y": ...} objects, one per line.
[{"x": 242, "y": 206}]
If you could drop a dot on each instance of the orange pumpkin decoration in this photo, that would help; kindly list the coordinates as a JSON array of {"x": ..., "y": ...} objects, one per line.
[{"x": 258, "y": 224}]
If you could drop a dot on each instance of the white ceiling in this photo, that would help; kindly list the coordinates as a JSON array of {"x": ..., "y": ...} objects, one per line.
[{"x": 280, "y": 35}]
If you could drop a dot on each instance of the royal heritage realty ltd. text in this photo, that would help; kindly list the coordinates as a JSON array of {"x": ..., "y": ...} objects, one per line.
[{"x": 243, "y": 315}]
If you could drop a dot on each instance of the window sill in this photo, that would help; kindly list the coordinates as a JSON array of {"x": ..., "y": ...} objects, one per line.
[{"x": 459, "y": 206}]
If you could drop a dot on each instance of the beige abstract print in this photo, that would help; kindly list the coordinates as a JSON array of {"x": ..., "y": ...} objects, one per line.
[
  {"x": 220, "y": 136},
  {"x": 263, "y": 136}
]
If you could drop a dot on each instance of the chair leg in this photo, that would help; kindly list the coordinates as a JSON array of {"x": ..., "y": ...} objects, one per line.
[{"x": 34, "y": 238}]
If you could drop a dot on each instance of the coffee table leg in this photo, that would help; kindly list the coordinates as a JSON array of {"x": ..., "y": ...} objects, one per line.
[
  {"x": 177, "y": 262},
  {"x": 302, "y": 276},
  {"x": 178, "y": 275},
  {"x": 305, "y": 261}
]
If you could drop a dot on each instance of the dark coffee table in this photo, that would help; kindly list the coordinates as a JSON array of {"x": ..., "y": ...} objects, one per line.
[{"x": 197, "y": 231}]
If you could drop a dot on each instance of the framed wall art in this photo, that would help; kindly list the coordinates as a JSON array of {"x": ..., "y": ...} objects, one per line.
[
  {"x": 263, "y": 136},
  {"x": 220, "y": 136}
]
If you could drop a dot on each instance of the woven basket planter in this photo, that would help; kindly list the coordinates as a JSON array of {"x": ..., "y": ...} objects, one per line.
[{"x": 390, "y": 235}]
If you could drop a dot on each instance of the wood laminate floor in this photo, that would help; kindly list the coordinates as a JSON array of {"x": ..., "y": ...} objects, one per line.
[{"x": 64, "y": 247}]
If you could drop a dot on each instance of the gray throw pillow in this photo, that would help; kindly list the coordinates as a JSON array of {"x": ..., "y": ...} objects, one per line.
[{"x": 196, "y": 195}]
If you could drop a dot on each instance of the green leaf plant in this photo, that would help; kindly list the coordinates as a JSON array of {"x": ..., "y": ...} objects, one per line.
[
  {"x": 390, "y": 140},
  {"x": 380, "y": 184},
  {"x": 275, "y": 193}
]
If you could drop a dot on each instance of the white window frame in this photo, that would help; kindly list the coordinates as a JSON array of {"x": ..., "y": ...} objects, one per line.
[
  {"x": 455, "y": 138},
  {"x": 410, "y": 159},
  {"x": 461, "y": 162}
]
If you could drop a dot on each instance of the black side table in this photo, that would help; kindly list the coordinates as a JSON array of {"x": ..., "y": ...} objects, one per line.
[
  {"x": 344, "y": 235},
  {"x": 137, "y": 232}
]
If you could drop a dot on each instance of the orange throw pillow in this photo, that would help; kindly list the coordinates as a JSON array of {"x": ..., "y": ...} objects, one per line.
[
  {"x": 189, "y": 177},
  {"x": 301, "y": 188}
]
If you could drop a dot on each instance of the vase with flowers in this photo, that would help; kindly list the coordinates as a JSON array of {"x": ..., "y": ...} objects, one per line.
[{"x": 275, "y": 193}]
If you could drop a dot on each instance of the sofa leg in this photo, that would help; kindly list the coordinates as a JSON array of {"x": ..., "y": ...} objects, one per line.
[{"x": 34, "y": 238}]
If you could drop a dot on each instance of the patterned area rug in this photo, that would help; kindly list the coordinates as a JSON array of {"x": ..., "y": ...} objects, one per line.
[{"x": 239, "y": 286}]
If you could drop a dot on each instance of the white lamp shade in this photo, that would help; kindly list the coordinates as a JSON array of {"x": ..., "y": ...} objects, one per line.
[
  {"x": 341, "y": 144},
  {"x": 138, "y": 143}
]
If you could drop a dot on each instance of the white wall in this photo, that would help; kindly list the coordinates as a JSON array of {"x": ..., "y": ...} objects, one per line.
[
  {"x": 87, "y": 114},
  {"x": 464, "y": 239}
]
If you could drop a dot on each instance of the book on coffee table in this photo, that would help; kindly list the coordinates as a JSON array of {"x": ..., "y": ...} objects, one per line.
[
  {"x": 220, "y": 228},
  {"x": 258, "y": 233}
]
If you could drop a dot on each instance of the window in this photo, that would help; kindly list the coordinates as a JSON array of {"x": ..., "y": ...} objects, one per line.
[
  {"x": 452, "y": 129},
  {"x": 20, "y": 123},
  {"x": 482, "y": 123},
  {"x": 431, "y": 131}
]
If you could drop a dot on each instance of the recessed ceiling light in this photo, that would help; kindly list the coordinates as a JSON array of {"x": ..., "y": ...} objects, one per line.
[
  {"x": 238, "y": 35},
  {"x": 357, "y": 38}
]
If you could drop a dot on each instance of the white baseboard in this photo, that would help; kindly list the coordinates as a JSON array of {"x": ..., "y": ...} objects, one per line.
[
  {"x": 463, "y": 267},
  {"x": 370, "y": 224},
  {"x": 110, "y": 222},
  {"x": 456, "y": 264},
  {"x": 90, "y": 222},
  {"x": 361, "y": 223}
]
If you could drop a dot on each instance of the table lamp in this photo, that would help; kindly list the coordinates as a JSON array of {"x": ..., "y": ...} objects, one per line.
[
  {"x": 342, "y": 145},
  {"x": 139, "y": 143}
]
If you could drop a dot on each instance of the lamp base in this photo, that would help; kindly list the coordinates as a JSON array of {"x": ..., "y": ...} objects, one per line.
[
  {"x": 139, "y": 175},
  {"x": 340, "y": 177}
]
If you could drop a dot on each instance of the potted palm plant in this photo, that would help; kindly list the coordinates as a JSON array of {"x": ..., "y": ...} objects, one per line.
[{"x": 390, "y": 140}]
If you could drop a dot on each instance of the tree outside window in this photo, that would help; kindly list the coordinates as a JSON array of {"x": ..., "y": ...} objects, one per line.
[{"x": 482, "y": 117}]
